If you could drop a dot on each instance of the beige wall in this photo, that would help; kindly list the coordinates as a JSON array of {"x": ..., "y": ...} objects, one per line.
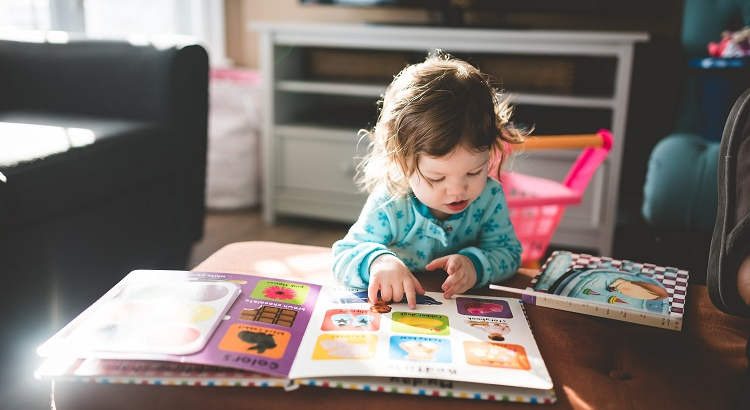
[{"x": 242, "y": 44}]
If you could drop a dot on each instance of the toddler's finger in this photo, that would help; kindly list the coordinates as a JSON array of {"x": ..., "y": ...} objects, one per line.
[
  {"x": 457, "y": 287},
  {"x": 449, "y": 283},
  {"x": 437, "y": 263},
  {"x": 411, "y": 297},
  {"x": 372, "y": 291},
  {"x": 451, "y": 266},
  {"x": 386, "y": 292},
  {"x": 398, "y": 292}
]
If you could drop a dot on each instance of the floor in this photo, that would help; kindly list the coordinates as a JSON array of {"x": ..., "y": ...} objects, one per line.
[{"x": 225, "y": 227}]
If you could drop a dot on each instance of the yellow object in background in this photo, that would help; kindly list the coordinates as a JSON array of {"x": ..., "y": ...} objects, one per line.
[{"x": 574, "y": 141}]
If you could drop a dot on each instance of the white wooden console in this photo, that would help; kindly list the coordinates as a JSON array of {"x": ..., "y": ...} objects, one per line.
[{"x": 310, "y": 124}]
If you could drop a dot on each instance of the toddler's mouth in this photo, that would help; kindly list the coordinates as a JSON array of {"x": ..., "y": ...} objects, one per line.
[{"x": 457, "y": 205}]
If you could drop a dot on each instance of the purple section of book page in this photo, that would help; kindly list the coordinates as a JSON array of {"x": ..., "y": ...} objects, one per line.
[{"x": 263, "y": 329}]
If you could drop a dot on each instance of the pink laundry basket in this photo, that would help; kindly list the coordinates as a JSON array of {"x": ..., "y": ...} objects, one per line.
[{"x": 537, "y": 204}]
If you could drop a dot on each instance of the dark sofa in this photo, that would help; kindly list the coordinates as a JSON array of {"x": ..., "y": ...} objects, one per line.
[{"x": 103, "y": 144}]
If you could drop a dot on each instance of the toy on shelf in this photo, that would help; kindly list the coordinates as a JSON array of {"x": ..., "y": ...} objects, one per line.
[{"x": 732, "y": 44}]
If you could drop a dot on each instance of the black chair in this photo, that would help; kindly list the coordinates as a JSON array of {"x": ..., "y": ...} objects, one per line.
[{"x": 103, "y": 144}]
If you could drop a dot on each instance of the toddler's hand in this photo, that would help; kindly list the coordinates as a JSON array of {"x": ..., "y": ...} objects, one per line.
[
  {"x": 461, "y": 273},
  {"x": 389, "y": 275}
]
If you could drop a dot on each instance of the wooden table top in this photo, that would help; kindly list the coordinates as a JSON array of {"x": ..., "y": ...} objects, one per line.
[{"x": 594, "y": 362}]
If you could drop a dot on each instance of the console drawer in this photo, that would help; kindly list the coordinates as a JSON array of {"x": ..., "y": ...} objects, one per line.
[{"x": 319, "y": 164}]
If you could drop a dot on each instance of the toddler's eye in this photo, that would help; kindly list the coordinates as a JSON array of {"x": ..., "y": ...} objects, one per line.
[
  {"x": 473, "y": 174},
  {"x": 434, "y": 181}
]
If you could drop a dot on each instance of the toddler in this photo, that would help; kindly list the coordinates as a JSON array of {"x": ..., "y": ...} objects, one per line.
[{"x": 441, "y": 130}]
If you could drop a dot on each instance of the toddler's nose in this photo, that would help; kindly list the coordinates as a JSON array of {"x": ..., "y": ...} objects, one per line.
[{"x": 456, "y": 189}]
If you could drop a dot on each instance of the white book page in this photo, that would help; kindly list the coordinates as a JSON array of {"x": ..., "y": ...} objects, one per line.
[
  {"x": 149, "y": 314},
  {"x": 475, "y": 339}
]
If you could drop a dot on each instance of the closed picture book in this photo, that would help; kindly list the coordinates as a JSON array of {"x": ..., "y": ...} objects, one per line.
[
  {"x": 624, "y": 290},
  {"x": 276, "y": 332}
]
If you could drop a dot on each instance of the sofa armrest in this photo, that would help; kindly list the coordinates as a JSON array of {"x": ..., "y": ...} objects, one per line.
[
  {"x": 680, "y": 191},
  {"x": 92, "y": 77},
  {"x": 188, "y": 119}
]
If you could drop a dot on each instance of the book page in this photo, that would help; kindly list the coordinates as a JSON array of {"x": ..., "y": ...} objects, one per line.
[
  {"x": 299, "y": 330},
  {"x": 467, "y": 338},
  {"x": 261, "y": 331},
  {"x": 167, "y": 312}
]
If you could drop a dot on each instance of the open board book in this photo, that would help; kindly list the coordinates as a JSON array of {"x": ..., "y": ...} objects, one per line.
[
  {"x": 617, "y": 289},
  {"x": 261, "y": 331}
]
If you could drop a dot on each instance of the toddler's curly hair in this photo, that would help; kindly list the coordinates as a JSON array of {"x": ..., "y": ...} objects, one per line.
[{"x": 429, "y": 109}]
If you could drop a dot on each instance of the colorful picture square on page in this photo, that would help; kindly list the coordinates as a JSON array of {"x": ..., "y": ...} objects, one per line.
[
  {"x": 282, "y": 292},
  {"x": 491, "y": 354},
  {"x": 483, "y": 307},
  {"x": 270, "y": 314},
  {"x": 420, "y": 349},
  {"x": 420, "y": 323},
  {"x": 345, "y": 347},
  {"x": 350, "y": 320},
  {"x": 255, "y": 340}
]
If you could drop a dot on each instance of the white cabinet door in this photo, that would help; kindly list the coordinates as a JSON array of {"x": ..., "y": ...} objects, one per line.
[{"x": 322, "y": 165}]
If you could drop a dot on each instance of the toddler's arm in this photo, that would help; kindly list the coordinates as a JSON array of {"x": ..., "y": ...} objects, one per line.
[
  {"x": 497, "y": 254},
  {"x": 367, "y": 239}
]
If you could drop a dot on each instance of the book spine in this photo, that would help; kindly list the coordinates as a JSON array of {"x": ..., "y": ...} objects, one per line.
[
  {"x": 545, "y": 396},
  {"x": 594, "y": 309},
  {"x": 176, "y": 381}
]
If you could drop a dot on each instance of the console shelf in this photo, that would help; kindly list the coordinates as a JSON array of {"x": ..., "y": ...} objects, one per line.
[
  {"x": 375, "y": 91},
  {"x": 311, "y": 122}
]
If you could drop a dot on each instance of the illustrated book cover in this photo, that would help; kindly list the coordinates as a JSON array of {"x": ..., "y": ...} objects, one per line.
[
  {"x": 634, "y": 292},
  {"x": 312, "y": 334}
]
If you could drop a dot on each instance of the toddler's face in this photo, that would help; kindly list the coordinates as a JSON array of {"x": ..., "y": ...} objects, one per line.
[{"x": 453, "y": 181}]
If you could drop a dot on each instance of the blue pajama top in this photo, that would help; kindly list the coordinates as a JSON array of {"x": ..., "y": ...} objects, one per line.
[{"x": 406, "y": 228}]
